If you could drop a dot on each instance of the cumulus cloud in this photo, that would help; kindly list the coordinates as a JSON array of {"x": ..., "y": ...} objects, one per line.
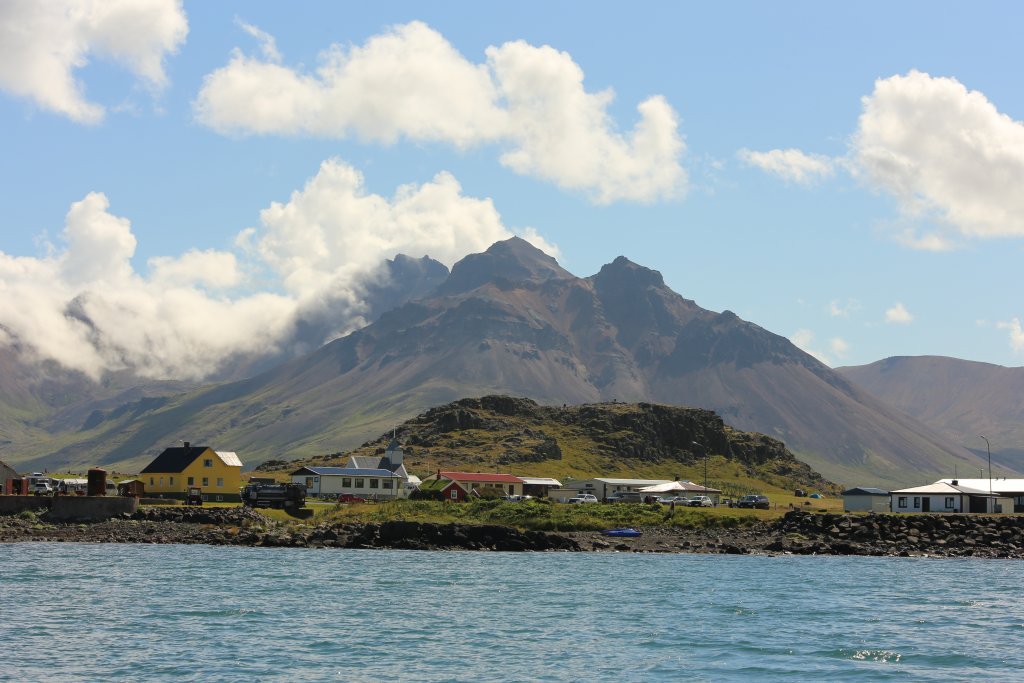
[
  {"x": 411, "y": 83},
  {"x": 1016, "y": 333},
  {"x": 791, "y": 165},
  {"x": 945, "y": 152},
  {"x": 42, "y": 44},
  {"x": 804, "y": 340},
  {"x": 84, "y": 305},
  {"x": 839, "y": 309},
  {"x": 898, "y": 314}
]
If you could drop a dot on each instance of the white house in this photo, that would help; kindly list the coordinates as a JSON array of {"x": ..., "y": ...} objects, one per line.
[
  {"x": 947, "y": 497},
  {"x": 1003, "y": 487},
  {"x": 603, "y": 487},
  {"x": 377, "y": 477},
  {"x": 865, "y": 499}
]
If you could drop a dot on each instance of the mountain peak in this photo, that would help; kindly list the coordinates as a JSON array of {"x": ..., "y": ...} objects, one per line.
[
  {"x": 510, "y": 261},
  {"x": 623, "y": 273}
]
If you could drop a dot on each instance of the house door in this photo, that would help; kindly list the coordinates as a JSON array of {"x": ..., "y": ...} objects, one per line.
[{"x": 926, "y": 504}]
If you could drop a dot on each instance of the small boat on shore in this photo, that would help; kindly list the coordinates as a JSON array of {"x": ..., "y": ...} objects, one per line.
[{"x": 628, "y": 532}]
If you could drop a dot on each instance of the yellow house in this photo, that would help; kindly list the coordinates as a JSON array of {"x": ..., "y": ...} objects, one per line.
[{"x": 173, "y": 472}]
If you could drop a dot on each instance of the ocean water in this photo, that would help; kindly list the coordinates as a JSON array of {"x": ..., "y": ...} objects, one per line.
[{"x": 164, "y": 612}]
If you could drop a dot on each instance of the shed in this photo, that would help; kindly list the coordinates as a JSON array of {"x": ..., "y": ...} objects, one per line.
[
  {"x": 131, "y": 488},
  {"x": 8, "y": 476},
  {"x": 865, "y": 499}
]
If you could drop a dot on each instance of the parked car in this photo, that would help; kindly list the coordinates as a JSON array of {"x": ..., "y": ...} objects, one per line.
[
  {"x": 350, "y": 498},
  {"x": 584, "y": 498},
  {"x": 519, "y": 499},
  {"x": 701, "y": 502},
  {"x": 678, "y": 500},
  {"x": 42, "y": 488},
  {"x": 753, "y": 501}
]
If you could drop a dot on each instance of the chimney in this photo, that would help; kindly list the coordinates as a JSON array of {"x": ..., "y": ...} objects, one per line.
[
  {"x": 187, "y": 444},
  {"x": 956, "y": 482}
]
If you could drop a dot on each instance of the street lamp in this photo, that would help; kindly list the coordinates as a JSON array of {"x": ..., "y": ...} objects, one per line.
[
  {"x": 705, "y": 450},
  {"x": 989, "y": 449}
]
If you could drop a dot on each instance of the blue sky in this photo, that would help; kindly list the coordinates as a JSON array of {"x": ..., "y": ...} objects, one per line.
[{"x": 845, "y": 176}]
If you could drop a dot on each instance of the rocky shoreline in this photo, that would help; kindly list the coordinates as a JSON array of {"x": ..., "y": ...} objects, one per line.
[{"x": 797, "y": 533}]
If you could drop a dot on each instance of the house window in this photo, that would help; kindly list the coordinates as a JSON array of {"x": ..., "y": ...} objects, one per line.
[
  {"x": 359, "y": 483},
  {"x": 191, "y": 481},
  {"x": 172, "y": 481},
  {"x": 455, "y": 494},
  {"x": 511, "y": 489},
  {"x": 902, "y": 502},
  {"x": 206, "y": 481},
  {"x": 346, "y": 482},
  {"x": 386, "y": 484},
  {"x": 208, "y": 462},
  {"x": 161, "y": 481},
  {"x": 950, "y": 503},
  {"x": 220, "y": 498},
  {"x": 151, "y": 481},
  {"x": 220, "y": 482},
  {"x": 374, "y": 483},
  {"x": 917, "y": 502},
  {"x": 309, "y": 482}
]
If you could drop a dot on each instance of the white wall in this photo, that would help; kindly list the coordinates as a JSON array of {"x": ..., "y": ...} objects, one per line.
[{"x": 867, "y": 503}]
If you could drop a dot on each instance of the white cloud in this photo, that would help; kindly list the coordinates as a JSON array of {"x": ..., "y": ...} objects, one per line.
[
  {"x": 84, "y": 306},
  {"x": 791, "y": 165},
  {"x": 1016, "y": 333},
  {"x": 804, "y": 340},
  {"x": 410, "y": 82},
  {"x": 898, "y": 314},
  {"x": 268, "y": 46},
  {"x": 839, "y": 347},
  {"x": 946, "y": 153},
  {"x": 839, "y": 309},
  {"x": 42, "y": 44}
]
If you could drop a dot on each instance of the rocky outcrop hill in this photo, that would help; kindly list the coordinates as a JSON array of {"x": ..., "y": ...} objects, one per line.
[{"x": 602, "y": 439}]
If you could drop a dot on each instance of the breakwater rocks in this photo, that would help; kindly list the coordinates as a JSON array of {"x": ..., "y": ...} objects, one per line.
[
  {"x": 899, "y": 535},
  {"x": 246, "y": 527},
  {"x": 798, "y": 532}
]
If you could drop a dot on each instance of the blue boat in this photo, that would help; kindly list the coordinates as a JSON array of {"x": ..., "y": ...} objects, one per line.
[{"x": 622, "y": 533}]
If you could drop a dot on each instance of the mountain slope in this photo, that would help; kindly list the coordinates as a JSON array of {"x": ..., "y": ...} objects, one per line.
[
  {"x": 512, "y": 321},
  {"x": 958, "y": 398}
]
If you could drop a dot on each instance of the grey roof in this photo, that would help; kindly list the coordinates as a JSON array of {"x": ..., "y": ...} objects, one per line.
[
  {"x": 345, "y": 472},
  {"x": 865, "y": 491}
]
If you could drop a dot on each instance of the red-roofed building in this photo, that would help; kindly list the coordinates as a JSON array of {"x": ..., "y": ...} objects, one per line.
[{"x": 464, "y": 484}]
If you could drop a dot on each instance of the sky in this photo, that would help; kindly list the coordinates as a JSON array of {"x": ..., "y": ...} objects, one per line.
[{"x": 180, "y": 183}]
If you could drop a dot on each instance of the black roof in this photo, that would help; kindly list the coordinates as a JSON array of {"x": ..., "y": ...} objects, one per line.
[{"x": 175, "y": 459}]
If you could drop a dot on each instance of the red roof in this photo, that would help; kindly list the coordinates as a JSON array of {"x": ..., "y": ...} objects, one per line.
[{"x": 482, "y": 477}]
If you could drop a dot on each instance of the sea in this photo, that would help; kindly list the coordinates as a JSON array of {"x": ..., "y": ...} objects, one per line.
[{"x": 77, "y": 612}]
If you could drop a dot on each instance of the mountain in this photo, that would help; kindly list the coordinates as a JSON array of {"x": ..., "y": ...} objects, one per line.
[
  {"x": 616, "y": 439},
  {"x": 512, "y": 321},
  {"x": 958, "y": 398}
]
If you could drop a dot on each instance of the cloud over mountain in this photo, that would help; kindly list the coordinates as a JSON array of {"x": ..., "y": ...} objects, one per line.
[
  {"x": 42, "y": 44},
  {"x": 314, "y": 257},
  {"x": 411, "y": 83}
]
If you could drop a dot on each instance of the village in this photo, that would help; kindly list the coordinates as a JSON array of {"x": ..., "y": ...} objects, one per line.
[{"x": 194, "y": 475}]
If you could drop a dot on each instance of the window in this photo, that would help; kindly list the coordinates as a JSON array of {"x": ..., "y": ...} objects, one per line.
[
  {"x": 359, "y": 483},
  {"x": 346, "y": 482},
  {"x": 917, "y": 502},
  {"x": 220, "y": 482},
  {"x": 206, "y": 481},
  {"x": 161, "y": 481},
  {"x": 455, "y": 494},
  {"x": 191, "y": 481},
  {"x": 902, "y": 502},
  {"x": 374, "y": 483},
  {"x": 151, "y": 481},
  {"x": 172, "y": 481},
  {"x": 220, "y": 498},
  {"x": 386, "y": 484},
  {"x": 950, "y": 503},
  {"x": 309, "y": 482},
  {"x": 208, "y": 462},
  {"x": 511, "y": 489}
]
